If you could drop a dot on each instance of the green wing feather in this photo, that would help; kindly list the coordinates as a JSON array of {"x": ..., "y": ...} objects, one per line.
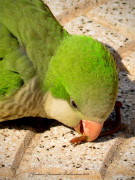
[
  {"x": 30, "y": 37},
  {"x": 10, "y": 81}
]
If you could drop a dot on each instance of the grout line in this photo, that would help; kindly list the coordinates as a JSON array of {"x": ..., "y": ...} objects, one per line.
[
  {"x": 120, "y": 170},
  {"x": 119, "y": 151},
  {"x": 112, "y": 155},
  {"x": 127, "y": 49},
  {"x": 124, "y": 52},
  {"x": 21, "y": 151},
  {"x": 104, "y": 22},
  {"x": 27, "y": 154},
  {"x": 78, "y": 10}
]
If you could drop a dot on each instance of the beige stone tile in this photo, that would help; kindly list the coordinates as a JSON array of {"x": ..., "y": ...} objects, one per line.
[
  {"x": 59, "y": 6},
  {"x": 10, "y": 152},
  {"x": 119, "y": 13},
  {"x": 38, "y": 176},
  {"x": 124, "y": 164},
  {"x": 127, "y": 160},
  {"x": 4, "y": 178},
  {"x": 122, "y": 177},
  {"x": 54, "y": 154},
  {"x": 50, "y": 155}
]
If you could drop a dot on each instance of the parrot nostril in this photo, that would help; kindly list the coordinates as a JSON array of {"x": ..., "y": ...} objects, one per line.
[{"x": 81, "y": 127}]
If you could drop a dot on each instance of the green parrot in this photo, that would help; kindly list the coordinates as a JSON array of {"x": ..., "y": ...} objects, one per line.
[{"x": 46, "y": 72}]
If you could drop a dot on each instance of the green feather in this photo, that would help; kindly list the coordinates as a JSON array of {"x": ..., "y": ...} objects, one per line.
[
  {"x": 70, "y": 67},
  {"x": 37, "y": 34},
  {"x": 9, "y": 81}
]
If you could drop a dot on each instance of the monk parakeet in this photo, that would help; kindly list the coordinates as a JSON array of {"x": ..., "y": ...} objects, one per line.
[{"x": 46, "y": 72}]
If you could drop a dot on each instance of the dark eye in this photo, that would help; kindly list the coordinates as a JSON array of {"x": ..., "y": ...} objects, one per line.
[{"x": 73, "y": 103}]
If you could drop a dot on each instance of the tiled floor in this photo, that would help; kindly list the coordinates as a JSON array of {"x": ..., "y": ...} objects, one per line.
[{"x": 29, "y": 152}]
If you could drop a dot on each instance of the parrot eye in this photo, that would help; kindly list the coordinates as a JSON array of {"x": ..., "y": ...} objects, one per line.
[{"x": 73, "y": 103}]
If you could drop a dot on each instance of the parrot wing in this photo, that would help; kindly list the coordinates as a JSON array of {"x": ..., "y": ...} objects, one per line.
[
  {"x": 29, "y": 37},
  {"x": 15, "y": 67}
]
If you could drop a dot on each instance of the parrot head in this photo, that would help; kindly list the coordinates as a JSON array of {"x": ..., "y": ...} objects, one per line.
[{"x": 81, "y": 85}]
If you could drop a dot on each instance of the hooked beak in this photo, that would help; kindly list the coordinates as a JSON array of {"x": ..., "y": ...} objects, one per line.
[{"x": 89, "y": 128}]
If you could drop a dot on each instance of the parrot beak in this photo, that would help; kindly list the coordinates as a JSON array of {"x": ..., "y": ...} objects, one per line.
[{"x": 89, "y": 128}]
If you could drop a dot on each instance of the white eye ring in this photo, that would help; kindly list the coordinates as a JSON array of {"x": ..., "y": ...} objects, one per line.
[{"x": 72, "y": 102}]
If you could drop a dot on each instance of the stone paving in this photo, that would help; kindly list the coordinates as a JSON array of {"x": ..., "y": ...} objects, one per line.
[{"x": 30, "y": 149}]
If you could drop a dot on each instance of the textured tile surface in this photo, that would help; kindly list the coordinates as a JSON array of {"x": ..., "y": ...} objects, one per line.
[
  {"x": 119, "y": 13},
  {"x": 10, "y": 143},
  {"x": 40, "y": 176},
  {"x": 54, "y": 154},
  {"x": 61, "y": 6},
  {"x": 128, "y": 158},
  {"x": 124, "y": 165},
  {"x": 46, "y": 153},
  {"x": 58, "y": 7}
]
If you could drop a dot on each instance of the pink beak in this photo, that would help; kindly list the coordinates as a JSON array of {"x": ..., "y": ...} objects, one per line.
[{"x": 89, "y": 128}]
